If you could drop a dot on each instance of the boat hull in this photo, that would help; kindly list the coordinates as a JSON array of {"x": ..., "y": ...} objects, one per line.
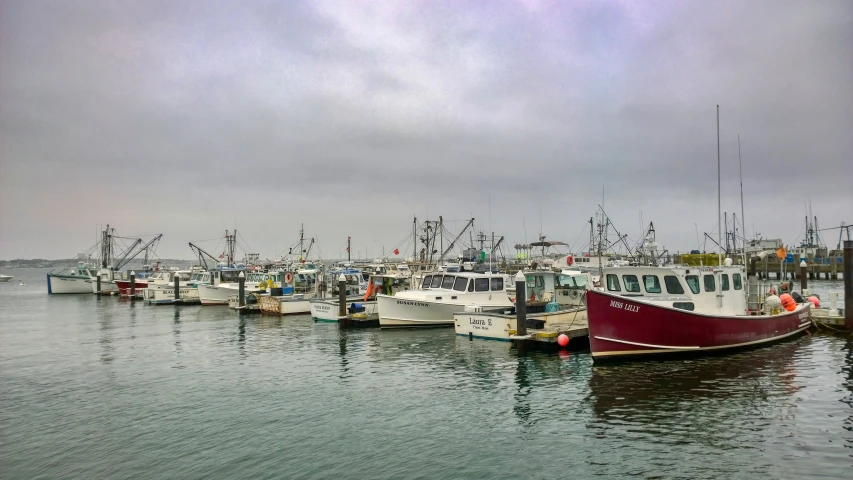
[
  {"x": 327, "y": 310},
  {"x": 123, "y": 286},
  {"x": 496, "y": 325},
  {"x": 166, "y": 295},
  {"x": 621, "y": 327},
  {"x": 397, "y": 312},
  {"x": 68, "y": 284},
  {"x": 5, "y": 278},
  {"x": 214, "y": 295},
  {"x": 285, "y": 305}
]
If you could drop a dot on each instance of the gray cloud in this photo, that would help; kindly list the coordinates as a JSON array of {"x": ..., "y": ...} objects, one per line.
[{"x": 188, "y": 118}]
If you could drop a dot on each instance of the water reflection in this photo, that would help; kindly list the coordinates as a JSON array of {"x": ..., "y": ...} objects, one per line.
[
  {"x": 241, "y": 337},
  {"x": 641, "y": 388},
  {"x": 176, "y": 331},
  {"x": 521, "y": 407}
]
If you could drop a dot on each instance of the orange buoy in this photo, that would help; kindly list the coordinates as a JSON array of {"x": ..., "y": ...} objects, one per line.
[
  {"x": 788, "y": 302},
  {"x": 814, "y": 301}
]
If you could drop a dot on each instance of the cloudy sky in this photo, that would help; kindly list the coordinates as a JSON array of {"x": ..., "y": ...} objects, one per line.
[{"x": 191, "y": 117}]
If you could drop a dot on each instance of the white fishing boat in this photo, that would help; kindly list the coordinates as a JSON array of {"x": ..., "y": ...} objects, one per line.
[
  {"x": 5, "y": 278},
  {"x": 555, "y": 299},
  {"x": 75, "y": 280},
  {"x": 440, "y": 295}
]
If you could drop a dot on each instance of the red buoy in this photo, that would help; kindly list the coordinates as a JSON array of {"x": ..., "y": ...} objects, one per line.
[
  {"x": 563, "y": 340},
  {"x": 814, "y": 301}
]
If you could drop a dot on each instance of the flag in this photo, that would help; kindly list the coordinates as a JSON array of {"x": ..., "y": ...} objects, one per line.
[
  {"x": 780, "y": 253},
  {"x": 347, "y": 249},
  {"x": 222, "y": 256},
  {"x": 396, "y": 251}
]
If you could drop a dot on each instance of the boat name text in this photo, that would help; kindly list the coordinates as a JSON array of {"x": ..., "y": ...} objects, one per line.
[
  {"x": 413, "y": 304},
  {"x": 624, "y": 306}
]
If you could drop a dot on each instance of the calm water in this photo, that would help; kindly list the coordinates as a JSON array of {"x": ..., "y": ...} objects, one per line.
[{"x": 101, "y": 388}]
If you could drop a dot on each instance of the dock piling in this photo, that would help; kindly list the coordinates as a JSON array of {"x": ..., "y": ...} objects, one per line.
[
  {"x": 98, "y": 285},
  {"x": 132, "y": 285},
  {"x": 342, "y": 295},
  {"x": 241, "y": 290},
  {"x": 520, "y": 304},
  {"x": 804, "y": 283},
  {"x": 848, "y": 284},
  {"x": 177, "y": 286}
]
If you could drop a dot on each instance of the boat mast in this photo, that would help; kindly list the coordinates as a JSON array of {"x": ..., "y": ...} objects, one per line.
[
  {"x": 719, "y": 208},
  {"x": 742, "y": 220}
]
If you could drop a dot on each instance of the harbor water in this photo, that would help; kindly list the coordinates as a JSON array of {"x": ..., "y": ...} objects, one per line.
[{"x": 105, "y": 388}]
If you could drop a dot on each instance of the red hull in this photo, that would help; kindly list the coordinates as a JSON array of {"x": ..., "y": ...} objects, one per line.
[
  {"x": 124, "y": 286},
  {"x": 620, "y": 327}
]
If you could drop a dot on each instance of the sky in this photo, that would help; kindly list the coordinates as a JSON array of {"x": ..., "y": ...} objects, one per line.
[{"x": 189, "y": 118}]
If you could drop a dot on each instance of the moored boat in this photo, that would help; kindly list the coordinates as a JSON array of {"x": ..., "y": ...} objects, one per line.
[
  {"x": 556, "y": 299},
  {"x": 6, "y": 278},
  {"x": 652, "y": 311},
  {"x": 440, "y": 296},
  {"x": 74, "y": 280}
]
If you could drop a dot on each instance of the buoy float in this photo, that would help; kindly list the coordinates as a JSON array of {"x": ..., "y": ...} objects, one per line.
[
  {"x": 788, "y": 302},
  {"x": 570, "y": 260},
  {"x": 563, "y": 340},
  {"x": 814, "y": 301},
  {"x": 288, "y": 277}
]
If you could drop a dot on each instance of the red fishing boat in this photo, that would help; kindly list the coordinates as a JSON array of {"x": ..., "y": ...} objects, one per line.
[{"x": 644, "y": 311}]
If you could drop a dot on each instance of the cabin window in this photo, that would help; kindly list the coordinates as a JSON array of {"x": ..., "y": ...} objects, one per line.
[
  {"x": 724, "y": 282},
  {"x": 481, "y": 284},
  {"x": 426, "y": 282},
  {"x": 693, "y": 283},
  {"x": 684, "y": 305},
  {"x": 631, "y": 283},
  {"x": 497, "y": 284},
  {"x": 436, "y": 281},
  {"x": 531, "y": 282},
  {"x": 461, "y": 283},
  {"x": 710, "y": 285},
  {"x": 448, "y": 281},
  {"x": 673, "y": 286},
  {"x": 651, "y": 283},
  {"x": 737, "y": 281},
  {"x": 613, "y": 283}
]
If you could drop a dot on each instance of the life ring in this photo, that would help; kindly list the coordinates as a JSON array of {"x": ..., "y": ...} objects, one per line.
[
  {"x": 569, "y": 260},
  {"x": 288, "y": 277}
]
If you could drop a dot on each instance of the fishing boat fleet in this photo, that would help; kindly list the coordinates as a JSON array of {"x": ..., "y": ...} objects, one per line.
[{"x": 631, "y": 306}]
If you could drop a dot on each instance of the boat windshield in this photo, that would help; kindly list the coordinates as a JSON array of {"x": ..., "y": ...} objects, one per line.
[{"x": 573, "y": 280}]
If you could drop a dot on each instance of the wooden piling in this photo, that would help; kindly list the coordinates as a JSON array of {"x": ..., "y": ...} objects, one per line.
[
  {"x": 98, "y": 284},
  {"x": 804, "y": 283},
  {"x": 848, "y": 284},
  {"x": 132, "y": 285},
  {"x": 177, "y": 285}
]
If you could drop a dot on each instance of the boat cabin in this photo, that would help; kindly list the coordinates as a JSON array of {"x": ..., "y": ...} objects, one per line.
[
  {"x": 464, "y": 282},
  {"x": 693, "y": 289}
]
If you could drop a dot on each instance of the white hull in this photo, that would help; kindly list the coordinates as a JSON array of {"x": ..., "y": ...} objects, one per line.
[
  {"x": 214, "y": 295},
  {"x": 5, "y": 278},
  {"x": 494, "y": 325},
  {"x": 166, "y": 295},
  {"x": 327, "y": 310},
  {"x": 395, "y": 312},
  {"x": 107, "y": 286},
  {"x": 284, "y": 305},
  {"x": 219, "y": 295},
  {"x": 65, "y": 284}
]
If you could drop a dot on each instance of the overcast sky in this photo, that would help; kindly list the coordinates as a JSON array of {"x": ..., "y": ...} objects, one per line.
[{"x": 191, "y": 117}]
